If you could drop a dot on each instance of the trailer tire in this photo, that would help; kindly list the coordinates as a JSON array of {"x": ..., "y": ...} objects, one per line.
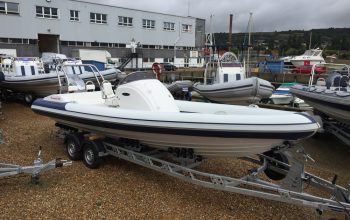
[
  {"x": 73, "y": 146},
  {"x": 272, "y": 174},
  {"x": 29, "y": 98},
  {"x": 91, "y": 156}
]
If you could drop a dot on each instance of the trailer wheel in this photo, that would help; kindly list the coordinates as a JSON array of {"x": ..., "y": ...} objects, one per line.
[
  {"x": 73, "y": 146},
  {"x": 91, "y": 157},
  {"x": 272, "y": 174},
  {"x": 29, "y": 98}
]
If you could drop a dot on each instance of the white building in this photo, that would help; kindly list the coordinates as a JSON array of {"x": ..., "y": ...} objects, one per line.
[{"x": 35, "y": 26}]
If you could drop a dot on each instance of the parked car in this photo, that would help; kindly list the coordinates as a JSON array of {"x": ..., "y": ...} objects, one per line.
[
  {"x": 307, "y": 69},
  {"x": 168, "y": 66}
]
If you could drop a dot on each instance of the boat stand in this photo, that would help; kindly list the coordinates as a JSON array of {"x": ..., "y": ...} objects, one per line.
[
  {"x": 35, "y": 170},
  {"x": 290, "y": 190}
]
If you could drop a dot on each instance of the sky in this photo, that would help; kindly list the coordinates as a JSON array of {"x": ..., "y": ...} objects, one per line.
[{"x": 268, "y": 15}]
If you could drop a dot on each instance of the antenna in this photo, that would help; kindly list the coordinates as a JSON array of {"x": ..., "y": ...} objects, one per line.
[
  {"x": 249, "y": 42},
  {"x": 310, "y": 39},
  {"x": 188, "y": 8}
]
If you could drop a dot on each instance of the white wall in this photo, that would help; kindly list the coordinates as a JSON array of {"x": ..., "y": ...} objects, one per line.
[{"x": 27, "y": 25}]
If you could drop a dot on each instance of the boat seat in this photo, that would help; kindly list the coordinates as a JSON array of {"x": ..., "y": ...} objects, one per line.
[
  {"x": 321, "y": 82},
  {"x": 72, "y": 88},
  {"x": 108, "y": 94},
  {"x": 89, "y": 86}
]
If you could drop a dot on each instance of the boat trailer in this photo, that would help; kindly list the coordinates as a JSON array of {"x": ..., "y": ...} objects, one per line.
[
  {"x": 338, "y": 129},
  {"x": 285, "y": 163},
  {"x": 38, "y": 167}
]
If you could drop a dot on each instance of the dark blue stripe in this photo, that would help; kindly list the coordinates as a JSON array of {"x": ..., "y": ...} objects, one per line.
[
  {"x": 292, "y": 135},
  {"x": 223, "y": 89},
  {"x": 48, "y": 104},
  {"x": 266, "y": 86}
]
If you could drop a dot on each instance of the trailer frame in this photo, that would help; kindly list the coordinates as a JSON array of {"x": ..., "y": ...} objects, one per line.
[{"x": 290, "y": 190}]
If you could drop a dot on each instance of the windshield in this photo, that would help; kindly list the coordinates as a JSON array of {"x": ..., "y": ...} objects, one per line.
[
  {"x": 135, "y": 76},
  {"x": 312, "y": 53}
]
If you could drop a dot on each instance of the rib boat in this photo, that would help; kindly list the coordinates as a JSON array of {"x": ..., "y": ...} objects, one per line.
[
  {"x": 141, "y": 108},
  {"x": 27, "y": 75},
  {"x": 330, "y": 96},
  {"x": 230, "y": 85}
]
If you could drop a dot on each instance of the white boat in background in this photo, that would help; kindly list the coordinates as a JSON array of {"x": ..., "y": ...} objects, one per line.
[
  {"x": 310, "y": 57},
  {"x": 230, "y": 84},
  {"x": 26, "y": 75},
  {"x": 282, "y": 96},
  {"x": 142, "y": 109}
]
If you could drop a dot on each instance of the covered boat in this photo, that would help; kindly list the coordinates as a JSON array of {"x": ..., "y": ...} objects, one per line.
[
  {"x": 230, "y": 84},
  {"x": 27, "y": 76},
  {"x": 142, "y": 109},
  {"x": 330, "y": 96}
]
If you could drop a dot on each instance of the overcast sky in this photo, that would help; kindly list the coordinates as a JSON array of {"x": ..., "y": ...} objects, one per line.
[{"x": 268, "y": 15}]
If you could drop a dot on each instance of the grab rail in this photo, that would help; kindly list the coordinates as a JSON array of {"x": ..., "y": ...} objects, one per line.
[
  {"x": 61, "y": 67},
  {"x": 311, "y": 79}
]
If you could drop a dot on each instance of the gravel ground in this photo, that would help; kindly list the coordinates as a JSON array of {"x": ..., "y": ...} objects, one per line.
[{"x": 122, "y": 190}]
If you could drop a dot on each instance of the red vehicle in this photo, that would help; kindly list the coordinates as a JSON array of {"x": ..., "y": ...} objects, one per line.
[{"x": 307, "y": 69}]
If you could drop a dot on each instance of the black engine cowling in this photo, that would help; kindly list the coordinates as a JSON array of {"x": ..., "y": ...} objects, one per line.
[{"x": 2, "y": 76}]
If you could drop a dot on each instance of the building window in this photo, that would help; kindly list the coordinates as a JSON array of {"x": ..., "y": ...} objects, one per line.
[
  {"x": 225, "y": 77},
  {"x": 98, "y": 18},
  {"x": 148, "y": 60},
  {"x": 4, "y": 40},
  {"x": 103, "y": 44},
  {"x": 124, "y": 21},
  {"x": 9, "y": 8},
  {"x": 64, "y": 43},
  {"x": 186, "y": 28},
  {"x": 169, "y": 26},
  {"x": 95, "y": 44},
  {"x": 149, "y": 24},
  {"x": 46, "y": 12},
  {"x": 74, "y": 15},
  {"x": 15, "y": 40},
  {"x": 168, "y": 60},
  {"x": 72, "y": 43}
]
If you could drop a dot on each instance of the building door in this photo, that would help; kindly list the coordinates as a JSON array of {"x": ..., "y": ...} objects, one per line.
[{"x": 48, "y": 43}]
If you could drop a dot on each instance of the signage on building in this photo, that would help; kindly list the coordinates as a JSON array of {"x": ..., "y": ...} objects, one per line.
[{"x": 193, "y": 53}]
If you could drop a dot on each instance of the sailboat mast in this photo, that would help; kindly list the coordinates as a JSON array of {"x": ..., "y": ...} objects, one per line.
[
  {"x": 310, "y": 40},
  {"x": 249, "y": 43}
]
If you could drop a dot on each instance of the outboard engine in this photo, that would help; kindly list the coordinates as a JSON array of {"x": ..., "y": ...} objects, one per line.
[
  {"x": 332, "y": 78},
  {"x": 2, "y": 76}
]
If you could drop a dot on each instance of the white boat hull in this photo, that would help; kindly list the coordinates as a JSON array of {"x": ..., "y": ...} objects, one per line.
[
  {"x": 281, "y": 99},
  {"x": 211, "y": 130},
  {"x": 299, "y": 63},
  {"x": 246, "y": 91},
  {"x": 330, "y": 104},
  {"x": 46, "y": 84}
]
